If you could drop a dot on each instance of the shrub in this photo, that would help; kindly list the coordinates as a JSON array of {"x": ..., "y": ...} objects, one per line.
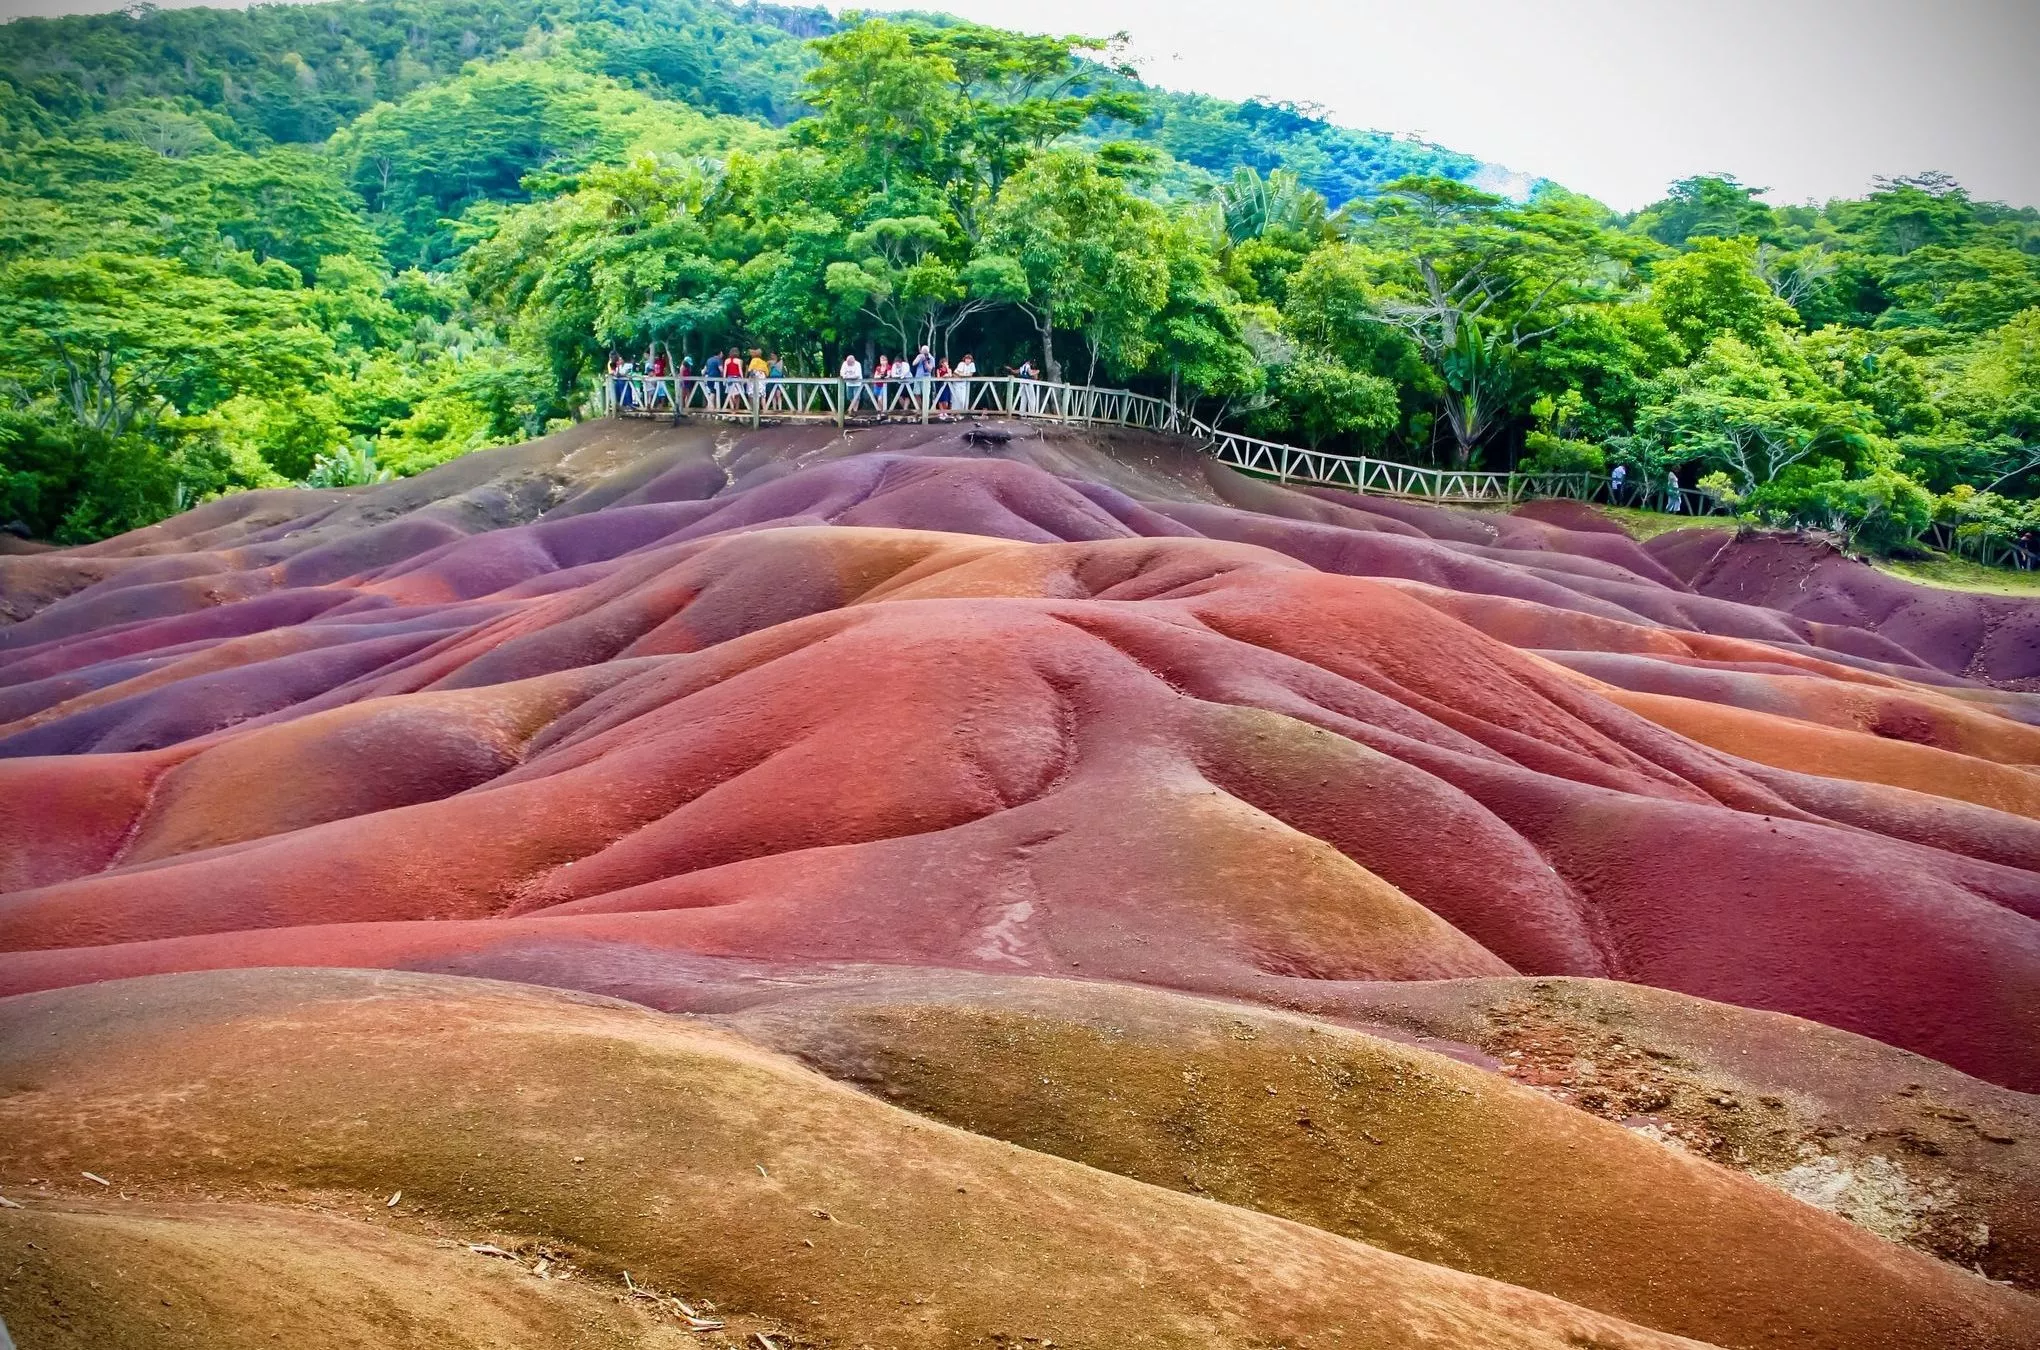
[
  {"x": 351, "y": 465},
  {"x": 1546, "y": 453},
  {"x": 1882, "y": 511},
  {"x": 74, "y": 484}
]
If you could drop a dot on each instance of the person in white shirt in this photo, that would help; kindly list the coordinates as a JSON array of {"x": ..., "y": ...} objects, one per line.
[
  {"x": 1029, "y": 400},
  {"x": 959, "y": 391},
  {"x": 851, "y": 373}
]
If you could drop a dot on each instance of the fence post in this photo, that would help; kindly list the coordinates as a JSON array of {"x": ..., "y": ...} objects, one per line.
[{"x": 842, "y": 401}]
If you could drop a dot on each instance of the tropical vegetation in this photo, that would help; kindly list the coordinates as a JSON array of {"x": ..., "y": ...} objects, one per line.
[{"x": 318, "y": 244}]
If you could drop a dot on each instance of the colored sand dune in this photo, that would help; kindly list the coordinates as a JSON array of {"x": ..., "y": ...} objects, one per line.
[{"x": 1005, "y": 886}]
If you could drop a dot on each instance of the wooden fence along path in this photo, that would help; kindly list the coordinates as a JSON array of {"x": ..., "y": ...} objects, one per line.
[
  {"x": 1992, "y": 548},
  {"x": 846, "y": 403}
]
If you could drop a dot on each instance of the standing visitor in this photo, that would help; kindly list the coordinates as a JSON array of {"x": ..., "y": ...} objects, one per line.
[
  {"x": 880, "y": 373},
  {"x": 897, "y": 389},
  {"x": 655, "y": 366},
  {"x": 959, "y": 392},
  {"x": 1616, "y": 480},
  {"x": 1029, "y": 393},
  {"x": 617, "y": 388},
  {"x": 923, "y": 368},
  {"x": 942, "y": 385},
  {"x": 733, "y": 378},
  {"x": 758, "y": 370},
  {"x": 1672, "y": 493},
  {"x": 686, "y": 378},
  {"x": 775, "y": 376},
  {"x": 851, "y": 373}
]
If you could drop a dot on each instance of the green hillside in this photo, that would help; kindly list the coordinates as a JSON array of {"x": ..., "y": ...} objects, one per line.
[
  {"x": 296, "y": 74},
  {"x": 312, "y": 243}
]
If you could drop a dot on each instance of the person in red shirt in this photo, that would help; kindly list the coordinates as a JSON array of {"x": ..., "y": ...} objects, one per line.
[
  {"x": 733, "y": 378},
  {"x": 657, "y": 369}
]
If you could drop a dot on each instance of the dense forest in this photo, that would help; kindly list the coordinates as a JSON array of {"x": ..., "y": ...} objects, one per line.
[{"x": 322, "y": 243}]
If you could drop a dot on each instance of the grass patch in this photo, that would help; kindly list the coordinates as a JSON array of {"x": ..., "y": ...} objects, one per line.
[
  {"x": 1649, "y": 524},
  {"x": 1959, "y": 574}
]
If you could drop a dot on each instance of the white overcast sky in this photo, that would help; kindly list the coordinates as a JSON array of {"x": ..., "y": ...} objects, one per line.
[{"x": 1810, "y": 98}]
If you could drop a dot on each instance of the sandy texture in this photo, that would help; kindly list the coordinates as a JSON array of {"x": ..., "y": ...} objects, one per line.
[{"x": 626, "y": 1141}]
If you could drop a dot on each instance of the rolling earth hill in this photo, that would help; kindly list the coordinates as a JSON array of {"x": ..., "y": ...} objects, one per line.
[{"x": 1001, "y": 884}]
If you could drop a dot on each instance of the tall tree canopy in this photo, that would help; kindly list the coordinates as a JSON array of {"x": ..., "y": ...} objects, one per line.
[{"x": 309, "y": 242}]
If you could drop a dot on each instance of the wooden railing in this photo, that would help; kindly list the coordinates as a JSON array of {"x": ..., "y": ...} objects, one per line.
[
  {"x": 806, "y": 399},
  {"x": 1992, "y": 548}
]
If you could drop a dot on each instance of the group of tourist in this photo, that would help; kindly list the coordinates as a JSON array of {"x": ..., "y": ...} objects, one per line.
[
  {"x": 1621, "y": 492},
  {"x": 926, "y": 381},
  {"x": 726, "y": 380}
]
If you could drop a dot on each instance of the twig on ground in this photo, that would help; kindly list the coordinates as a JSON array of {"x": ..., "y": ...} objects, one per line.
[{"x": 695, "y": 1321}]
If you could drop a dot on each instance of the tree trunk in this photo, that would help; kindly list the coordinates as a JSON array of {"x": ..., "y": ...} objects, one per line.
[
  {"x": 1048, "y": 361},
  {"x": 1458, "y": 419}
]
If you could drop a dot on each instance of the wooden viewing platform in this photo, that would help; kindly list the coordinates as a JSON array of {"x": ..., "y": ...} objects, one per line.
[{"x": 856, "y": 403}]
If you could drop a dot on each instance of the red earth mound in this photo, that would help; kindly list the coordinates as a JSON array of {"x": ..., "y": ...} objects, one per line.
[
  {"x": 1988, "y": 637},
  {"x": 636, "y": 710}
]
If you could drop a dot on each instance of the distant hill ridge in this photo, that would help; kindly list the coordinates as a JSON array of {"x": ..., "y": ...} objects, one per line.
[{"x": 293, "y": 74}]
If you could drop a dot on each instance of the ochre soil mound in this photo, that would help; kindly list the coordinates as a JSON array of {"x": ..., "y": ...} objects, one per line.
[
  {"x": 129, "y": 1273},
  {"x": 618, "y": 1140},
  {"x": 679, "y": 715},
  {"x": 1389, "y": 1144},
  {"x": 1909, "y": 1149}
]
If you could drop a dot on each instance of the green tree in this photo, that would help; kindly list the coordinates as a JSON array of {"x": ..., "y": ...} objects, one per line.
[
  {"x": 1705, "y": 206},
  {"x": 119, "y": 339},
  {"x": 1715, "y": 289},
  {"x": 1088, "y": 249},
  {"x": 1735, "y": 412},
  {"x": 899, "y": 279},
  {"x": 1475, "y": 283},
  {"x": 885, "y": 105},
  {"x": 1253, "y": 207},
  {"x": 1198, "y": 334},
  {"x": 1968, "y": 289},
  {"x": 1015, "y": 96},
  {"x": 625, "y": 261},
  {"x": 1324, "y": 399}
]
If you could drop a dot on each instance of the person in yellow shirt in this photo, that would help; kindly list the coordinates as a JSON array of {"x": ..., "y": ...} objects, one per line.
[{"x": 758, "y": 369}]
